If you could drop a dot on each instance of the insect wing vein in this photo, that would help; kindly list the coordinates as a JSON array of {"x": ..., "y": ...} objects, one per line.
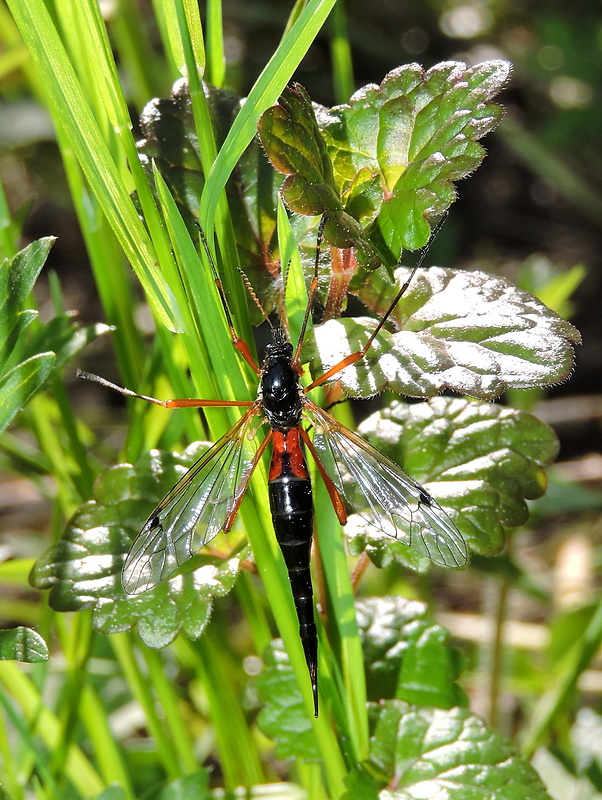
[
  {"x": 193, "y": 512},
  {"x": 384, "y": 495}
]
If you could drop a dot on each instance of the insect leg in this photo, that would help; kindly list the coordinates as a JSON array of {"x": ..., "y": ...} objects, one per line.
[
  {"x": 359, "y": 354},
  {"x": 335, "y": 497},
  {"x": 244, "y": 484}
]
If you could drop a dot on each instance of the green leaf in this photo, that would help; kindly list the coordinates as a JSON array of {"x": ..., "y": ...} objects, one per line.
[
  {"x": 292, "y": 140},
  {"x": 290, "y": 135},
  {"x": 20, "y": 383},
  {"x": 65, "y": 337},
  {"x": 421, "y": 752},
  {"x": 416, "y": 132},
  {"x": 283, "y": 717},
  {"x": 22, "y": 644},
  {"x": 170, "y": 143},
  {"x": 83, "y": 570},
  {"x": 17, "y": 278},
  {"x": 195, "y": 785},
  {"x": 470, "y": 332},
  {"x": 113, "y": 792},
  {"x": 479, "y": 461},
  {"x": 406, "y": 654}
]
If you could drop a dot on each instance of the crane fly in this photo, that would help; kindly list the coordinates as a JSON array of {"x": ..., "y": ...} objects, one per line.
[{"x": 207, "y": 498}]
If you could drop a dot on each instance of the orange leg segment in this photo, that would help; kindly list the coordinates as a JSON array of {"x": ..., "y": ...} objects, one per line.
[
  {"x": 335, "y": 497},
  {"x": 242, "y": 488}
]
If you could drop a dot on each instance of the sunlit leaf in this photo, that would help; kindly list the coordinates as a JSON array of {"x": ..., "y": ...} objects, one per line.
[
  {"x": 83, "y": 570},
  {"x": 417, "y": 132},
  {"x": 22, "y": 644},
  {"x": 418, "y": 753},
  {"x": 291, "y": 137},
  {"x": 406, "y": 654},
  {"x": 481, "y": 462},
  {"x": 470, "y": 332}
]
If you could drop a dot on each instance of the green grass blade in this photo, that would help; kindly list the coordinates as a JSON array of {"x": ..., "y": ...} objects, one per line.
[
  {"x": 265, "y": 92},
  {"x": 71, "y": 111}
]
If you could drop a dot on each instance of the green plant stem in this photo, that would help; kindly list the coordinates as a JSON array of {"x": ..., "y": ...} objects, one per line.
[
  {"x": 141, "y": 690},
  {"x": 21, "y": 690},
  {"x": 563, "y": 686},
  {"x": 216, "y": 61},
  {"x": 77, "y": 650},
  {"x": 497, "y": 651},
  {"x": 239, "y": 760},
  {"x": 340, "y": 53},
  {"x": 178, "y": 732}
]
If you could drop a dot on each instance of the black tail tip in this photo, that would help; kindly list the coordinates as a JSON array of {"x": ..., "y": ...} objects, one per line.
[{"x": 313, "y": 674}]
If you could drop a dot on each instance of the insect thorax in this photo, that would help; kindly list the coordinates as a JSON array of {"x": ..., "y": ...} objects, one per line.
[{"x": 279, "y": 391}]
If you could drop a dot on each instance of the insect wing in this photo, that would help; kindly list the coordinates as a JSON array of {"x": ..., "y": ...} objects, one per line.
[
  {"x": 384, "y": 495},
  {"x": 193, "y": 512}
]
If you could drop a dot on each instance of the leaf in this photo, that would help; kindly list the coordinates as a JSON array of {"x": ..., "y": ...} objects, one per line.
[
  {"x": 50, "y": 347},
  {"x": 113, "y": 792},
  {"x": 470, "y": 332},
  {"x": 83, "y": 570},
  {"x": 17, "y": 278},
  {"x": 416, "y": 132},
  {"x": 170, "y": 143},
  {"x": 22, "y": 644},
  {"x": 479, "y": 461},
  {"x": 418, "y": 753},
  {"x": 65, "y": 337},
  {"x": 194, "y": 785},
  {"x": 21, "y": 383},
  {"x": 292, "y": 140},
  {"x": 406, "y": 655},
  {"x": 283, "y": 717}
]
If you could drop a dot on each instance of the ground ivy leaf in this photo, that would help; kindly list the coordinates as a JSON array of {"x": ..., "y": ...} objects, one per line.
[
  {"x": 470, "y": 332},
  {"x": 418, "y": 132},
  {"x": 419, "y": 753},
  {"x": 22, "y": 644},
  {"x": 406, "y": 654},
  {"x": 283, "y": 717},
  {"x": 195, "y": 785},
  {"x": 291, "y": 137},
  {"x": 83, "y": 570},
  {"x": 479, "y": 461}
]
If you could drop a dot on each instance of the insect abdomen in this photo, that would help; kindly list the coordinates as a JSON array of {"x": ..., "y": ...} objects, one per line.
[{"x": 291, "y": 505}]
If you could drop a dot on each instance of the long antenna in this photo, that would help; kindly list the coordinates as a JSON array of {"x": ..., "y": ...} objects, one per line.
[
  {"x": 239, "y": 344},
  {"x": 312, "y": 289},
  {"x": 421, "y": 256}
]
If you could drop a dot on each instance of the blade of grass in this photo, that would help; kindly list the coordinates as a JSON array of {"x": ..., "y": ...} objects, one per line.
[
  {"x": 71, "y": 112},
  {"x": 340, "y": 53},
  {"x": 216, "y": 60},
  {"x": 179, "y": 733},
  {"x": 240, "y": 763},
  {"x": 21, "y": 690},
  {"x": 142, "y": 692},
  {"x": 266, "y": 90}
]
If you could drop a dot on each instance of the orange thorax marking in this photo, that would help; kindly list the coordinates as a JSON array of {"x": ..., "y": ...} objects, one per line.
[{"x": 287, "y": 455}]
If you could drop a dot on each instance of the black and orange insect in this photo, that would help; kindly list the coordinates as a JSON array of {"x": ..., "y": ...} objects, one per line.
[{"x": 207, "y": 498}]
